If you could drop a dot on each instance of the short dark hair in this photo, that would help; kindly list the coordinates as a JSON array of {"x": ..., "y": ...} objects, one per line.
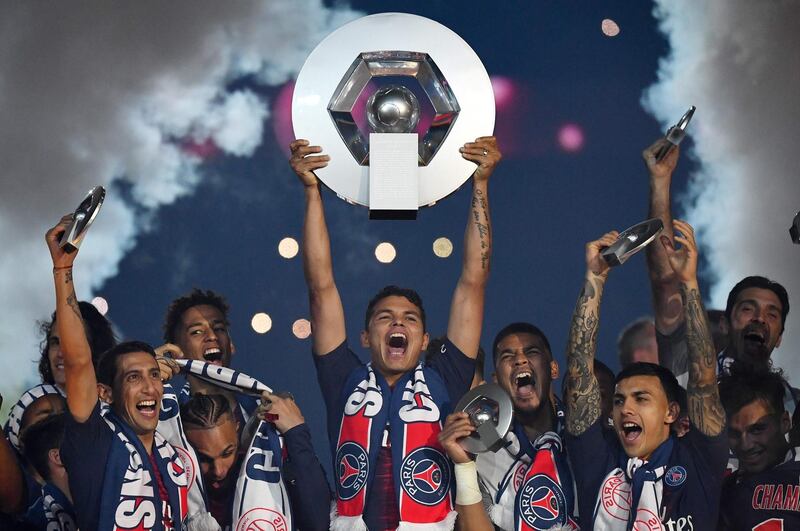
[
  {"x": 107, "y": 366},
  {"x": 39, "y": 438},
  {"x": 629, "y": 339},
  {"x": 747, "y": 382},
  {"x": 196, "y": 297},
  {"x": 100, "y": 336},
  {"x": 205, "y": 411},
  {"x": 762, "y": 283},
  {"x": 519, "y": 328},
  {"x": 642, "y": 368},
  {"x": 394, "y": 291}
]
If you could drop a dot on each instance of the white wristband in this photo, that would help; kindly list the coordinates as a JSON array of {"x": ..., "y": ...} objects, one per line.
[{"x": 467, "y": 490}]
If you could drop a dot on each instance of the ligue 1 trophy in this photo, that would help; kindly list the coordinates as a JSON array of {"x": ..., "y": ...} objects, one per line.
[
  {"x": 631, "y": 241},
  {"x": 676, "y": 133},
  {"x": 490, "y": 410},
  {"x": 391, "y": 97},
  {"x": 794, "y": 230},
  {"x": 82, "y": 219}
]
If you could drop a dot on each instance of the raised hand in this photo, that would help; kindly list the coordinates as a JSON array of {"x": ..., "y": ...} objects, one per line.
[
  {"x": 281, "y": 410},
  {"x": 660, "y": 170},
  {"x": 61, "y": 258},
  {"x": 483, "y": 152},
  {"x": 595, "y": 263},
  {"x": 304, "y": 162},
  {"x": 456, "y": 427},
  {"x": 684, "y": 260}
]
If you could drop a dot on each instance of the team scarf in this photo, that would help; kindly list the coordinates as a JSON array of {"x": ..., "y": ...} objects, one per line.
[
  {"x": 530, "y": 483},
  {"x": 58, "y": 511},
  {"x": 11, "y": 429},
  {"x": 261, "y": 496},
  {"x": 634, "y": 484},
  {"x": 423, "y": 476},
  {"x": 131, "y": 497}
]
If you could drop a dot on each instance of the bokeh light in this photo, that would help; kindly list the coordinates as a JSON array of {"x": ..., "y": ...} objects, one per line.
[
  {"x": 261, "y": 323},
  {"x": 504, "y": 91},
  {"x": 385, "y": 252},
  {"x": 288, "y": 247},
  {"x": 609, "y": 27},
  {"x": 101, "y": 304},
  {"x": 570, "y": 138},
  {"x": 442, "y": 247},
  {"x": 282, "y": 117},
  {"x": 301, "y": 328}
]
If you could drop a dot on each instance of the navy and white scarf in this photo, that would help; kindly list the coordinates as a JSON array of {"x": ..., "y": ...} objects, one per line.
[
  {"x": 414, "y": 412},
  {"x": 633, "y": 491},
  {"x": 131, "y": 495},
  {"x": 517, "y": 470},
  {"x": 58, "y": 511},
  {"x": 261, "y": 495},
  {"x": 11, "y": 429}
]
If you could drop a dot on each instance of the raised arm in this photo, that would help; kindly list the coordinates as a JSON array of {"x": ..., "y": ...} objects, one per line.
[
  {"x": 705, "y": 408},
  {"x": 81, "y": 381},
  {"x": 663, "y": 283},
  {"x": 583, "y": 391},
  {"x": 466, "y": 308},
  {"x": 327, "y": 313}
]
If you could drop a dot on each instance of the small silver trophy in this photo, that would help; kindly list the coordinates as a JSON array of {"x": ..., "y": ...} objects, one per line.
[
  {"x": 794, "y": 230},
  {"x": 631, "y": 241},
  {"x": 676, "y": 133},
  {"x": 82, "y": 219},
  {"x": 490, "y": 410}
]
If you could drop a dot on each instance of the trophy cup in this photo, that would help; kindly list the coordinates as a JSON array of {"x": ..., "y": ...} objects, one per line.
[
  {"x": 391, "y": 97},
  {"x": 82, "y": 219},
  {"x": 631, "y": 241},
  {"x": 490, "y": 410},
  {"x": 676, "y": 133},
  {"x": 794, "y": 230}
]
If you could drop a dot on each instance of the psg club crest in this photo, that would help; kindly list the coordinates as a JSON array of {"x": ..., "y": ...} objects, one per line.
[
  {"x": 542, "y": 503},
  {"x": 352, "y": 465},
  {"x": 425, "y": 476},
  {"x": 675, "y": 476}
]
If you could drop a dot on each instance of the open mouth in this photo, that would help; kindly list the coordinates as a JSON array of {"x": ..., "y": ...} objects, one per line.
[
  {"x": 397, "y": 343},
  {"x": 147, "y": 407},
  {"x": 630, "y": 431},
  {"x": 524, "y": 383},
  {"x": 213, "y": 355}
]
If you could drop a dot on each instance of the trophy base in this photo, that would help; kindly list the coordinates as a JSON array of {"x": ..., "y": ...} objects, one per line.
[{"x": 393, "y": 214}]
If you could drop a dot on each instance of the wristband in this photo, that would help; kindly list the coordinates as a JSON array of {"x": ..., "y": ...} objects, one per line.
[
  {"x": 61, "y": 268},
  {"x": 467, "y": 490}
]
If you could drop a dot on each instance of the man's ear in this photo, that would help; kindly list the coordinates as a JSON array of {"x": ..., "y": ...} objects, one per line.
[
  {"x": 54, "y": 456},
  {"x": 673, "y": 411},
  {"x": 426, "y": 337},
  {"x": 786, "y": 423},
  {"x": 494, "y": 377},
  {"x": 233, "y": 348},
  {"x": 554, "y": 370},
  {"x": 365, "y": 339},
  {"x": 724, "y": 326},
  {"x": 778, "y": 343},
  {"x": 105, "y": 393}
]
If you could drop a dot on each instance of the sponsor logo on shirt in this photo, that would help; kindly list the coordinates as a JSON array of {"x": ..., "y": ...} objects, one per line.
[{"x": 675, "y": 476}]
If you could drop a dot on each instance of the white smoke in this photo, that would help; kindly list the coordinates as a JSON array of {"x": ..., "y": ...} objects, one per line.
[
  {"x": 98, "y": 92},
  {"x": 738, "y": 62}
]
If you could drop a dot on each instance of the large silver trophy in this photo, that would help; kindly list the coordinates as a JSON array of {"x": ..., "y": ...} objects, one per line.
[
  {"x": 82, "y": 219},
  {"x": 491, "y": 411},
  {"x": 391, "y": 97},
  {"x": 631, "y": 241}
]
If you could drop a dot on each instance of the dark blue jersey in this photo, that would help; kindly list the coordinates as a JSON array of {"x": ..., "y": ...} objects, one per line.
[
  {"x": 691, "y": 485},
  {"x": 767, "y": 501}
]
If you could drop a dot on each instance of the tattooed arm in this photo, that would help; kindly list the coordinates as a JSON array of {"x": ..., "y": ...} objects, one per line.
[
  {"x": 705, "y": 408},
  {"x": 81, "y": 382},
  {"x": 583, "y": 391},
  {"x": 466, "y": 308}
]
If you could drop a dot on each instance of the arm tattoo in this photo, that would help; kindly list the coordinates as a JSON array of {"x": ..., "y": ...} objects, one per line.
[
  {"x": 72, "y": 301},
  {"x": 583, "y": 391},
  {"x": 705, "y": 408},
  {"x": 480, "y": 217}
]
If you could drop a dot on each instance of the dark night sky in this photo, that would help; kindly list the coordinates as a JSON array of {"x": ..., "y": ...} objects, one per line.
[{"x": 546, "y": 203}]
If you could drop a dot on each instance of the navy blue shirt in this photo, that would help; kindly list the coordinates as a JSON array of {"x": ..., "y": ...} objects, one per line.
[
  {"x": 333, "y": 369},
  {"x": 84, "y": 452},
  {"x": 691, "y": 485},
  {"x": 770, "y": 499}
]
